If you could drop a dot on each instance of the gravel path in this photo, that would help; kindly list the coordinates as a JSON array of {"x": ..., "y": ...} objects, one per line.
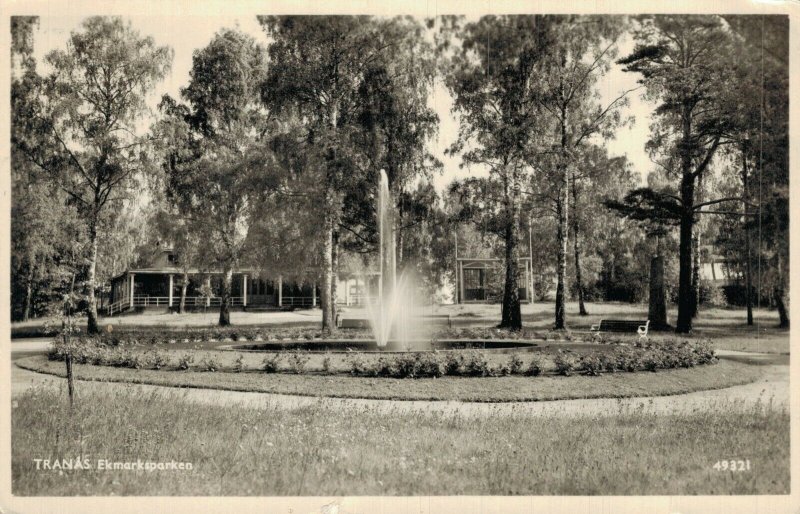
[{"x": 772, "y": 386}]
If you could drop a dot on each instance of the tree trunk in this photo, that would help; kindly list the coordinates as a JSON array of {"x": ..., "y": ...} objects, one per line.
[
  {"x": 184, "y": 287},
  {"x": 577, "y": 248},
  {"x": 783, "y": 313},
  {"x": 657, "y": 303},
  {"x": 327, "y": 279},
  {"x": 562, "y": 218},
  {"x": 335, "y": 270},
  {"x": 225, "y": 304},
  {"x": 695, "y": 270},
  {"x": 561, "y": 266},
  {"x": 328, "y": 258},
  {"x": 70, "y": 377},
  {"x": 778, "y": 293},
  {"x": 748, "y": 279},
  {"x": 748, "y": 270},
  {"x": 91, "y": 308},
  {"x": 511, "y": 314},
  {"x": 26, "y": 311},
  {"x": 685, "y": 291}
]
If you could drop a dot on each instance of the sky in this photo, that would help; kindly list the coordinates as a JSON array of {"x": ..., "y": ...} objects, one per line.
[{"x": 186, "y": 34}]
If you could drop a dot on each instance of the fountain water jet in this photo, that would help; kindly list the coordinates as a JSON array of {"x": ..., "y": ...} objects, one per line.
[{"x": 389, "y": 314}]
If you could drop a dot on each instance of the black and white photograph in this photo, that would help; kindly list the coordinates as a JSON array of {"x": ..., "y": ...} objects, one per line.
[{"x": 357, "y": 257}]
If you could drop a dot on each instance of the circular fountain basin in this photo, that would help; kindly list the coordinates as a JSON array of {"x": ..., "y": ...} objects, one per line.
[{"x": 366, "y": 345}]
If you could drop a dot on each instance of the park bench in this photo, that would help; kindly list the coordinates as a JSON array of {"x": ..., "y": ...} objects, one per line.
[
  {"x": 641, "y": 327},
  {"x": 345, "y": 322}
]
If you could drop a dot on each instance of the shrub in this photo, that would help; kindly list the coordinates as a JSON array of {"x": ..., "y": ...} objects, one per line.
[
  {"x": 136, "y": 360},
  {"x": 652, "y": 360},
  {"x": 591, "y": 365},
  {"x": 501, "y": 370},
  {"x": 357, "y": 364},
  {"x": 117, "y": 358},
  {"x": 564, "y": 364},
  {"x": 514, "y": 364},
  {"x": 271, "y": 362},
  {"x": 402, "y": 366},
  {"x": 453, "y": 363},
  {"x": 185, "y": 361},
  {"x": 385, "y": 367},
  {"x": 80, "y": 355},
  {"x": 704, "y": 351},
  {"x": 627, "y": 361},
  {"x": 157, "y": 359},
  {"x": 209, "y": 364},
  {"x": 428, "y": 365},
  {"x": 535, "y": 367},
  {"x": 297, "y": 362},
  {"x": 238, "y": 364},
  {"x": 608, "y": 363},
  {"x": 475, "y": 364}
]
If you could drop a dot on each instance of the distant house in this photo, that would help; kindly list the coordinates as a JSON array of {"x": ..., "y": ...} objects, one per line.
[
  {"x": 157, "y": 287},
  {"x": 715, "y": 269}
]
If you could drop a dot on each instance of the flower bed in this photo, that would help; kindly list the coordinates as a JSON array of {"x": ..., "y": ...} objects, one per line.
[{"x": 619, "y": 356}]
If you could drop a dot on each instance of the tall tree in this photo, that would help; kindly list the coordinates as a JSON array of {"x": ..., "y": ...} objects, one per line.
[
  {"x": 683, "y": 64},
  {"x": 595, "y": 177},
  {"x": 758, "y": 103},
  {"x": 493, "y": 81},
  {"x": 218, "y": 158},
  {"x": 91, "y": 103},
  {"x": 579, "y": 53},
  {"x": 320, "y": 67}
]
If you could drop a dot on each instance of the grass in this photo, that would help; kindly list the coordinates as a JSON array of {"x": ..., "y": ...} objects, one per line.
[
  {"x": 316, "y": 450},
  {"x": 483, "y": 389}
]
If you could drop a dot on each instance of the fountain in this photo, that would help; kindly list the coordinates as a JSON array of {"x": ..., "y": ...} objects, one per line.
[{"x": 390, "y": 310}]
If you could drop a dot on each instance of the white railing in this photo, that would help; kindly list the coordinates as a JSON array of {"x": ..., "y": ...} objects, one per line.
[
  {"x": 118, "y": 306},
  {"x": 163, "y": 301},
  {"x": 298, "y": 301}
]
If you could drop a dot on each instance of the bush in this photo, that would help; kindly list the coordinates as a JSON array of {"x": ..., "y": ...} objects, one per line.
[
  {"x": 238, "y": 364},
  {"x": 357, "y": 364},
  {"x": 157, "y": 359},
  {"x": 591, "y": 365},
  {"x": 271, "y": 362},
  {"x": 608, "y": 363},
  {"x": 626, "y": 360},
  {"x": 185, "y": 361},
  {"x": 210, "y": 364},
  {"x": 712, "y": 294},
  {"x": 475, "y": 364},
  {"x": 652, "y": 361},
  {"x": 535, "y": 367},
  {"x": 514, "y": 364},
  {"x": 428, "y": 365},
  {"x": 564, "y": 364},
  {"x": 453, "y": 362},
  {"x": 297, "y": 362},
  {"x": 501, "y": 370}
]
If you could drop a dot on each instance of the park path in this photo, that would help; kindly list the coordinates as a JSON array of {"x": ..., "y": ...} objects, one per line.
[{"x": 773, "y": 385}]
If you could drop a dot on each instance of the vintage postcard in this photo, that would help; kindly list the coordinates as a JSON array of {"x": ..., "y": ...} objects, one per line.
[{"x": 358, "y": 257}]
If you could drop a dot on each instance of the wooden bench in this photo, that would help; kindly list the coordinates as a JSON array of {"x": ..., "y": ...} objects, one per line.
[
  {"x": 641, "y": 327},
  {"x": 345, "y": 322}
]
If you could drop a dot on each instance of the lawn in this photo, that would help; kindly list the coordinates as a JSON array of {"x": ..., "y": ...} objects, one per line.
[
  {"x": 481, "y": 389},
  {"x": 313, "y": 450}
]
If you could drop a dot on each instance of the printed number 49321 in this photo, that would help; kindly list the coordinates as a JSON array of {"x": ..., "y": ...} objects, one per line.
[{"x": 732, "y": 465}]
